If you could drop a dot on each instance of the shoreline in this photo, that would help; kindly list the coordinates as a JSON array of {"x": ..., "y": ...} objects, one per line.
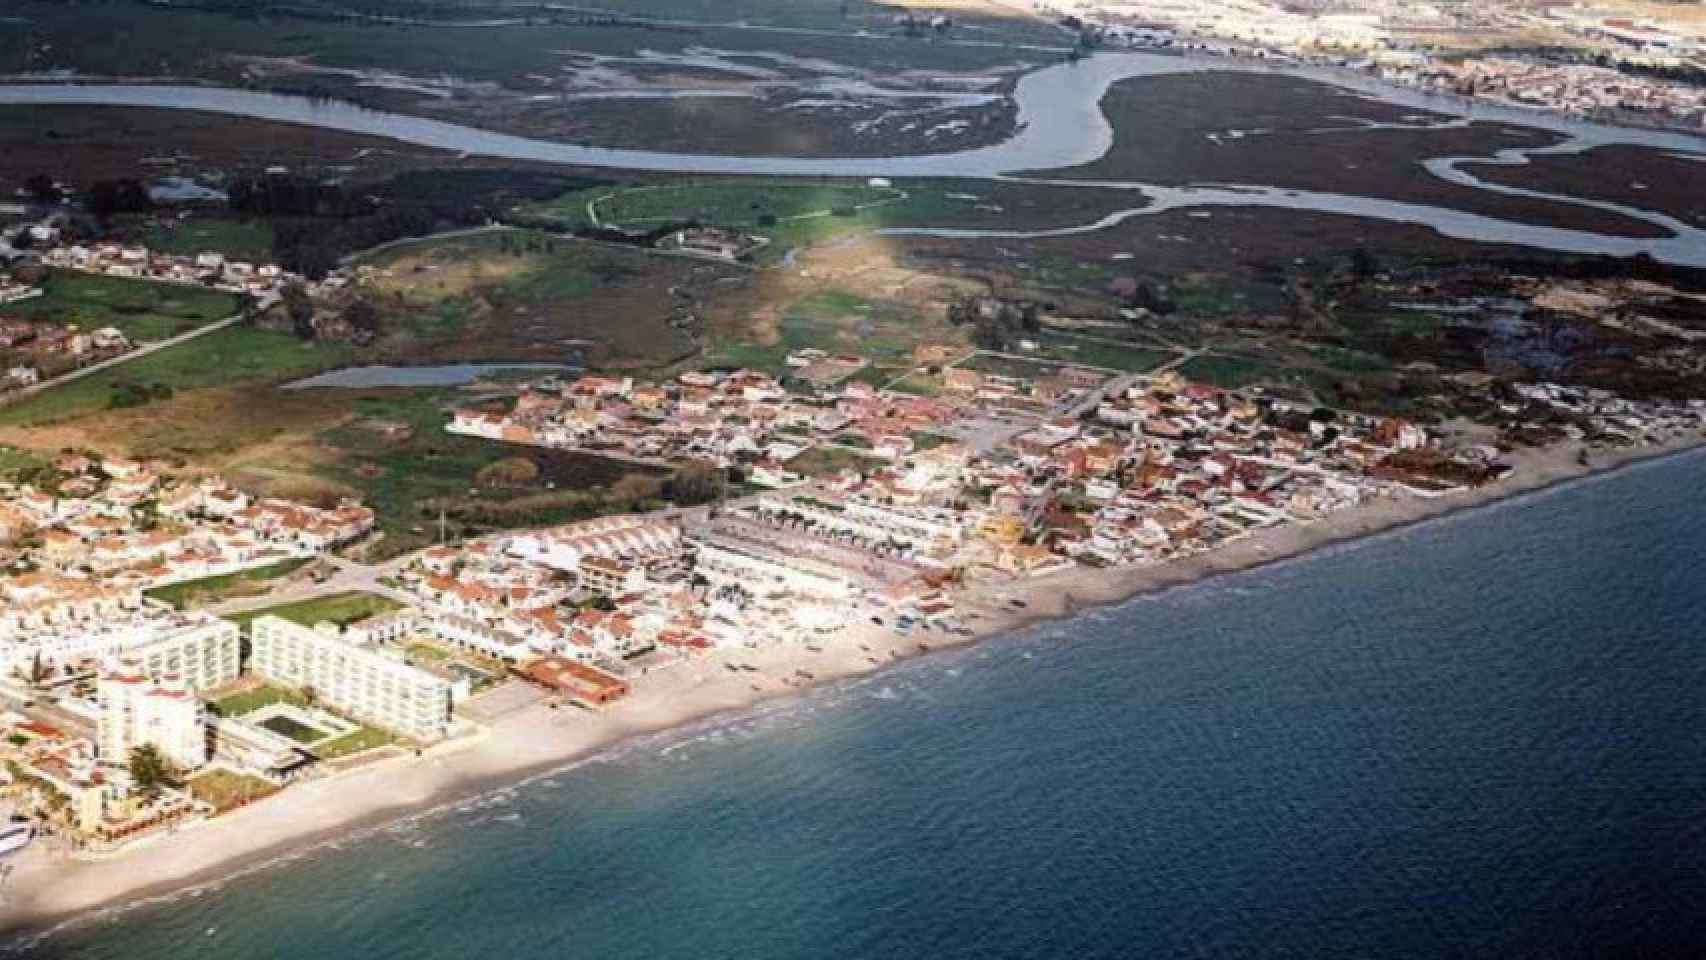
[{"x": 46, "y": 895}]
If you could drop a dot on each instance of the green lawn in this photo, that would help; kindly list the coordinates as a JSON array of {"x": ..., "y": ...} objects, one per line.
[
  {"x": 806, "y": 213},
  {"x": 359, "y": 741},
  {"x": 143, "y": 309},
  {"x": 819, "y": 461},
  {"x": 342, "y": 609},
  {"x": 231, "y": 355},
  {"x": 225, "y": 789},
  {"x": 1128, "y": 358},
  {"x": 1232, "y": 373},
  {"x": 247, "y": 702},
  {"x": 249, "y": 240},
  {"x": 211, "y": 589},
  {"x": 14, "y": 461}
]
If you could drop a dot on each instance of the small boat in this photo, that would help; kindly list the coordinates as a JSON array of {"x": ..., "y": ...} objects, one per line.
[
  {"x": 15, "y": 838},
  {"x": 731, "y": 668},
  {"x": 805, "y": 675}
]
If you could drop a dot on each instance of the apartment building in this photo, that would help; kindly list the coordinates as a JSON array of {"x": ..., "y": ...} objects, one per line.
[
  {"x": 138, "y": 710},
  {"x": 364, "y": 683},
  {"x": 204, "y": 653}
]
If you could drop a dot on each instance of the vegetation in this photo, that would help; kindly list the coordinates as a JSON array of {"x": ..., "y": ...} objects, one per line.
[
  {"x": 249, "y": 240},
  {"x": 150, "y": 771},
  {"x": 247, "y": 702},
  {"x": 211, "y": 589},
  {"x": 226, "y": 790},
  {"x": 342, "y": 609},
  {"x": 143, "y": 309},
  {"x": 232, "y": 355}
]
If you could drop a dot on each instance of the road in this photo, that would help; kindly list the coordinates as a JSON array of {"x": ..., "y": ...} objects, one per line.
[{"x": 122, "y": 358}]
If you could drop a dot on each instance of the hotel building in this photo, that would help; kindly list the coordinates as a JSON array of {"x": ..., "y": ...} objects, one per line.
[{"x": 364, "y": 683}]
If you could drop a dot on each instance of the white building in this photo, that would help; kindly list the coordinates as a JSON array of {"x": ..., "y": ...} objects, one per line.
[
  {"x": 203, "y": 654},
  {"x": 137, "y": 710},
  {"x": 366, "y": 684}
]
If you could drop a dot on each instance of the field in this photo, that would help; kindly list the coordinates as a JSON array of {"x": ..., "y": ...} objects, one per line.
[
  {"x": 524, "y": 295},
  {"x": 408, "y": 482},
  {"x": 342, "y": 609},
  {"x": 236, "y": 354},
  {"x": 814, "y": 212},
  {"x": 143, "y": 309},
  {"x": 249, "y": 240},
  {"x": 207, "y": 590},
  {"x": 226, "y": 790}
]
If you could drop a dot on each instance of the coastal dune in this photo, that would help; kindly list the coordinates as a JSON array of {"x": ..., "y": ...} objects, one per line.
[{"x": 45, "y": 890}]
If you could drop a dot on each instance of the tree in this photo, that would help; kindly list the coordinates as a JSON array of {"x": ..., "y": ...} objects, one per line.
[
  {"x": 149, "y": 771},
  {"x": 310, "y": 696},
  {"x": 107, "y": 197},
  {"x": 43, "y": 190},
  {"x": 695, "y": 483},
  {"x": 300, "y": 309}
]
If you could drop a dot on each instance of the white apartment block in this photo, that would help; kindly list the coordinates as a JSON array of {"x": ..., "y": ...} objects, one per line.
[
  {"x": 724, "y": 562},
  {"x": 138, "y": 710},
  {"x": 366, "y": 684},
  {"x": 203, "y": 654}
]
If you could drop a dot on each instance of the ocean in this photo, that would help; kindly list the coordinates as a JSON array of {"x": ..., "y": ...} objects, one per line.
[{"x": 1484, "y": 736}]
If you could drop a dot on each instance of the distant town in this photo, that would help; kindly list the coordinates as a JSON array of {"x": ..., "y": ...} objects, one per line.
[{"x": 1602, "y": 64}]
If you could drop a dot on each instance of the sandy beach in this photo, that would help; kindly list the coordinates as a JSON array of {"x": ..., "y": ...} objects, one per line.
[{"x": 46, "y": 889}]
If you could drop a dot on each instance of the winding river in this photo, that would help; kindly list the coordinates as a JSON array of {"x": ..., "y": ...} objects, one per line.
[{"x": 1061, "y": 125}]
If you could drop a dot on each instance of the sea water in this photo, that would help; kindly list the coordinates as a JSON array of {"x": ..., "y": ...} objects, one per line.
[{"x": 1484, "y": 736}]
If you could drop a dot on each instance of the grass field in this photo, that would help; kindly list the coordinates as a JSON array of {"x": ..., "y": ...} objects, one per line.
[
  {"x": 237, "y": 239},
  {"x": 834, "y": 320},
  {"x": 237, "y": 354},
  {"x": 226, "y": 790},
  {"x": 398, "y": 478},
  {"x": 247, "y": 702},
  {"x": 213, "y": 589},
  {"x": 526, "y": 295},
  {"x": 14, "y": 461},
  {"x": 805, "y": 214},
  {"x": 342, "y": 609},
  {"x": 1129, "y": 358},
  {"x": 143, "y": 309}
]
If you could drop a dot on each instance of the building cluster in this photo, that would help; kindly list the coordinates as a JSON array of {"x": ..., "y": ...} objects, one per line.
[
  {"x": 1576, "y": 89},
  {"x": 1409, "y": 45},
  {"x": 89, "y": 537},
  {"x": 31, "y": 351},
  {"x": 735, "y": 418},
  {"x": 209, "y": 269},
  {"x": 1600, "y": 417}
]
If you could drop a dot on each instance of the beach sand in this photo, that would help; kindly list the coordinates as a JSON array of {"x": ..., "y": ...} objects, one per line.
[{"x": 47, "y": 889}]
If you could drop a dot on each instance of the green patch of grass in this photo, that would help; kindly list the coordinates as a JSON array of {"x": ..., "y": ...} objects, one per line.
[
  {"x": 1101, "y": 353},
  {"x": 247, "y": 702},
  {"x": 211, "y": 589},
  {"x": 226, "y": 790},
  {"x": 143, "y": 309},
  {"x": 249, "y": 240},
  {"x": 14, "y": 462},
  {"x": 1230, "y": 372},
  {"x": 399, "y": 480},
  {"x": 358, "y": 741},
  {"x": 342, "y": 609},
  {"x": 819, "y": 461},
  {"x": 235, "y": 354}
]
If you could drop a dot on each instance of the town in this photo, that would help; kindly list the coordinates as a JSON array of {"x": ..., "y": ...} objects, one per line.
[
  {"x": 1621, "y": 69},
  {"x": 843, "y": 511}
]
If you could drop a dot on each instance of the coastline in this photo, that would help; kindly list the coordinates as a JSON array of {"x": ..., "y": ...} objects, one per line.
[{"x": 44, "y": 894}]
